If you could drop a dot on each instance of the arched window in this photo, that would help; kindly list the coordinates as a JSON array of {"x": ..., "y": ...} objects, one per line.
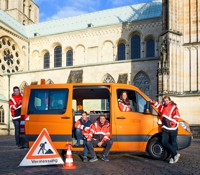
[
  {"x": 49, "y": 81},
  {"x": 121, "y": 49},
  {"x": 108, "y": 79},
  {"x": 58, "y": 56},
  {"x": 2, "y": 115},
  {"x": 7, "y": 4},
  {"x": 142, "y": 81},
  {"x": 135, "y": 47},
  {"x": 105, "y": 106},
  {"x": 46, "y": 60},
  {"x": 24, "y": 5},
  {"x": 22, "y": 86},
  {"x": 69, "y": 58},
  {"x": 29, "y": 12},
  {"x": 150, "y": 48}
]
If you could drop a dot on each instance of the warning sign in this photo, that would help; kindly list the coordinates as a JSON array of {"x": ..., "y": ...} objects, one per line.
[{"x": 42, "y": 152}]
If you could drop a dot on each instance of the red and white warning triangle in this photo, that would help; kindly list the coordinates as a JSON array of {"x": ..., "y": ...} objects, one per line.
[{"x": 42, "y": 152}]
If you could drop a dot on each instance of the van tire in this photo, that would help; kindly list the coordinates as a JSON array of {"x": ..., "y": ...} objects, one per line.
[{"x": 156, "y": 149}]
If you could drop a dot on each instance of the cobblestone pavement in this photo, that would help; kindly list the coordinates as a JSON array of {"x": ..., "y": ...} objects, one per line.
[{"x": 123, "y": 164}]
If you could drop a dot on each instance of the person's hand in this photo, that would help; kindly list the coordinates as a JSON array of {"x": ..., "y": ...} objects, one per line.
[{"x": 99, "y": 144}]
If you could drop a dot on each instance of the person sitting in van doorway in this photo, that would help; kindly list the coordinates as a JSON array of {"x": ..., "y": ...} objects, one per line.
[
  {"x": 123, "y": 102},
  {"x": 82, "y": 130},
  {"x": 170, "y": 116},
  {"x": 99, "y": 136}
]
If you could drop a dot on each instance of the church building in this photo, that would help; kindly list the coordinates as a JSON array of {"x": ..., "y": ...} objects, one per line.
[{"x": 154, "y": 46}]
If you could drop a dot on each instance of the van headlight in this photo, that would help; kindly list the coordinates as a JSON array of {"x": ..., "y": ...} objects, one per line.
[{"x": 185, "y": 126}]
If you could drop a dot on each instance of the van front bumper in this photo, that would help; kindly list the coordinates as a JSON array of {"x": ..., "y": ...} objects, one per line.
[{"x": 184, "y": 141}]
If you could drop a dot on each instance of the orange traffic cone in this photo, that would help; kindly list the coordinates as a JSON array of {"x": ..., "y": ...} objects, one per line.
[{"x": 69, "y": 160}]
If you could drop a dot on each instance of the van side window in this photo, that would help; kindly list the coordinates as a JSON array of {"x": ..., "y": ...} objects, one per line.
[
  {"x": 128, "y": 104},
  {"x": 136, "y": 101},
  {"x": 48, "y": 101}
]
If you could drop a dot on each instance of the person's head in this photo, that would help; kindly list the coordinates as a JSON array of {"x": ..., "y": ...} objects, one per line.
[
  {"x": 16, "y": 90},
  {"x": 102, "y": 119},
  {"x": 124, "y": 96},
  {"x": 166, "y": 100},
  {"x": 84, "y": 115}
]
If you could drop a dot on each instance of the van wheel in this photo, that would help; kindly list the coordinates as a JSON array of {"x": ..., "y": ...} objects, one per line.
[{"x": 156, "y": 150}]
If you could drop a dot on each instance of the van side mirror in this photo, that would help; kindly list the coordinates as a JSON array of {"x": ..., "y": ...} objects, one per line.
[{"x": 148, "y": 107}]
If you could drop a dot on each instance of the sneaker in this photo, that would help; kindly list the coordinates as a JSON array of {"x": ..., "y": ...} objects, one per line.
[
  {"x": 94, "y": 159},
  {"x": 171, "y": 161},
  {"x": 105, "y": 158},
  {"x": 77, "y": 144},
  {"x": 176, "y": 157},
  {"x": 19, "y": 147},
  {"x": 85, "y": 159}
]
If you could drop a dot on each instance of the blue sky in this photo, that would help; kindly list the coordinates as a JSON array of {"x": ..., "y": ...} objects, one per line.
[{"x": 55, "y": 9}]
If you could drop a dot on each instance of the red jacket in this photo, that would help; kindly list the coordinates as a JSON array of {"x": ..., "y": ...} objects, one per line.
[
  {"x": 101, "y": 132},
  {"x": 84, "y": 126},
  {"x": 124, "y": 106},
  {"x": 15, "y": 107},
  {"x": 170, "y": 115}
]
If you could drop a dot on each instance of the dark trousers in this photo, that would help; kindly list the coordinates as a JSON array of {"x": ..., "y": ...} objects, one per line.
[
  {"x": 16, "y": 123},
  {"x": 169, "y": 141},
  {"x": 91, "y": 144}
]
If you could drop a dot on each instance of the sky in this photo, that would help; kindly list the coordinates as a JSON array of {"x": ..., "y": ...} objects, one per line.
[{"x": 56, "y": 9}]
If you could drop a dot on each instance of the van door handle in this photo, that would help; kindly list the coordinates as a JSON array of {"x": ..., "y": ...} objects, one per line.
[
  {"x": 65, "y": 117},
  {"x": 121, "y": 117}
]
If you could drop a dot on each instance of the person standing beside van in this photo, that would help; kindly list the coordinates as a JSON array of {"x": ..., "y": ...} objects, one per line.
[
  {"x": 82, "y": 131},
  {"x": 15, "y": 103},
  {"x": 170, "y": 116},
  {"x": 99, "y": 136},
  {"x": 123, "y": 102}
]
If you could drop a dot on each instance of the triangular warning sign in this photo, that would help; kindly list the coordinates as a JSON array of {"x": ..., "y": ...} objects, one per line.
[{"x": 42, "y": 152}]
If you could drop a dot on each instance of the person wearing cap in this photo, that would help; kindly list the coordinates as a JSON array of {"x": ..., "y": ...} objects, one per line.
[{"x": 99, "y": 136}]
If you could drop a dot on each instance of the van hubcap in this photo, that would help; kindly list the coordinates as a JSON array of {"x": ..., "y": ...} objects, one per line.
[{"x": 157, "y": 150}]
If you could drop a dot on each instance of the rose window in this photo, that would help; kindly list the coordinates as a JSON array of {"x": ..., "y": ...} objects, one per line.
[{"x": 9, "y": 56}]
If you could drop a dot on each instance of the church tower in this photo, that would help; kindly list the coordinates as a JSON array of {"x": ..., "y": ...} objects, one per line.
[
  {"x": 24, "y": 11},
  {"x": 179, "y": 67}
]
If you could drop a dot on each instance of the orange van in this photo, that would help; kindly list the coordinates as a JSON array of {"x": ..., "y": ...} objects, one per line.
[{"x": 56, "y": 107}]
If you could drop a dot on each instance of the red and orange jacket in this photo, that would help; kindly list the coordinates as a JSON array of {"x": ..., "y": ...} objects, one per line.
[
  {"x": 15, "y": 108},
  {"x": 84, "y": 126},
  {"x": 124, "y": 106},
  {"x": 100, "y": 132},
  {"x": 170, "y": 115}
]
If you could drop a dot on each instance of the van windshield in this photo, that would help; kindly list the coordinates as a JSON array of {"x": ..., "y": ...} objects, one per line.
[{"x": 48, "y": 101}]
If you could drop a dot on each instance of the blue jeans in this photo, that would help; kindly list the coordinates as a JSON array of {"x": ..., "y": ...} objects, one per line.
[
  {"x": 79, "y": 135},
  {"x": 16, "y": 123},
  {"x": 85, "y": 151},
  {"x": 169, "y": 141}
]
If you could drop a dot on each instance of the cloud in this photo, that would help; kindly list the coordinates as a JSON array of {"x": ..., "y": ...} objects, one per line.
[
  {"x": 76, "y": 7},
  {"x": 66, "y": 12},
  {"x": 56, "y": 9}
]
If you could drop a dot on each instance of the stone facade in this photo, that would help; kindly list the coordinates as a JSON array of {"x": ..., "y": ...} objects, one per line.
[
  {"x": 179, "y": 73},
  {"x": 24, "y": 11},
  {"x": 173, "y": 70}
]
